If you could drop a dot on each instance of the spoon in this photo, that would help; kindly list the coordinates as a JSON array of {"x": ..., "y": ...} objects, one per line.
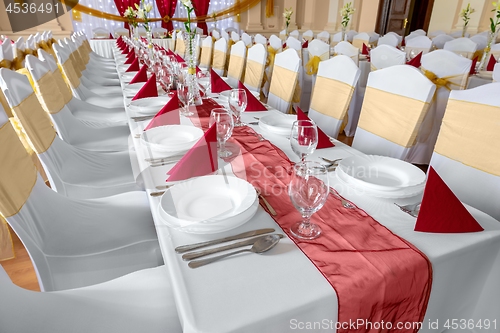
[{"x": 262, "y": 245}]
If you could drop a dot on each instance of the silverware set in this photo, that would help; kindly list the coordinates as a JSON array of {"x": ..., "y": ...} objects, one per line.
[
  {"x": 259, "y": 244},
  {"x": 411, "y": 209},
  {"x": 332, "y": 164},
  {"x": 141, "y": 118},
  {"x": 160, "y": 161}
]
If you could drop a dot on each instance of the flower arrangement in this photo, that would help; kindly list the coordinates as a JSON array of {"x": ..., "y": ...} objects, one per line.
[
  {"x": 494, "y": 23},
  {"x": 465, "y": 15},
  {"x": 131, "y": 14},
  {"x": 346, "y": 14},
  {"x": 287, "y": 14},
  {"x": 143, "y": 11}
]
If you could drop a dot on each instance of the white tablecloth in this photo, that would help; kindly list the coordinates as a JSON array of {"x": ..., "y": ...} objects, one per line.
[
  {"x": 104, "y": 47},
  {"x": 282, "y": 290}
]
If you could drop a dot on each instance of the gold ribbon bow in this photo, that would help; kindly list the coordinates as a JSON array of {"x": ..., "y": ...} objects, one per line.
[
  {"x": 312, "y": 65},
  {"x": 6, "y": 64},
  {"x": 442, "y": 82},
  {"x": 271, "y": 54}
]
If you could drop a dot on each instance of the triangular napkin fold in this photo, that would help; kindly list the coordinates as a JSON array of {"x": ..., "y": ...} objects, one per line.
[
  {"x": 253, "y": 104},
  {"x": 179, "y": 58},
  {"x": 148, "y": 90},
  {"x": 365, "y": 50},
  {"x": 216, "y": 83},
  {"x": 141, "y": 76},
  {"x": 200, "y": 160},
  {"x": 491, "y": 63},
  {"x": 131, "y": 60},
  {"x": 323, "y": 139},
  {"x": 441, "y": 211},
  {"x": 415, "y": 62},
  {"x": 168, "y": 115},
  {"x": 473, "y": 66},
  {"x": 305, "y": 45}
]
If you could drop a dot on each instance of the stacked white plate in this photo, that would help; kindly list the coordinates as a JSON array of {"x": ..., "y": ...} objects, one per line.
[
  {"x": 171, "y": 138},
  {"x": 381, "y": 176},
  {"x": 277, "y": 123},
  {"x": 130, "y": 90},
  {"x": 148, "y": 106},
  {"x": 208, "y": 204}
]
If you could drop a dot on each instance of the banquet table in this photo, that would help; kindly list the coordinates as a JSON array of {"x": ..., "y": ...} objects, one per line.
[
  {"x": 104, "y": 47},
  {"x": 283, "y": 291}
]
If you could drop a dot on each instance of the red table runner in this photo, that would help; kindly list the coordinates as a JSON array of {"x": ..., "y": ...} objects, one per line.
[{"x": 379, "y": 277}]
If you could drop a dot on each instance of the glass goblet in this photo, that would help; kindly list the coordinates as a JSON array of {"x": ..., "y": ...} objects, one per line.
[
  {"x": 224, "y": 127},
  {"x": 238, "y": 104},
  {"x": 204, "y": 81},
  {"x": 304, "y": 138},
  {"x": 185, "y": 97},
  {"x": 308, "y": 192}
]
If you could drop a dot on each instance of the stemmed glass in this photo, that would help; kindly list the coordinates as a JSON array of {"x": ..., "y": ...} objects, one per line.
[
  {"x": 308, "y": 192},
  {"x": 304, "y": 138},
  {"x": 185, "y": 97},
  {"x": 204, "y": 81},
  {"x": 238, "y": 104},
  {"x": 224, "y": 121}
]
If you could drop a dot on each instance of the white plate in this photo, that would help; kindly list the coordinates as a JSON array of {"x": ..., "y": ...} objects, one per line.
[
  {"x": 130, "y": 90},
  {"x": 278, "y": 123},
  {"x": 148, "y": 105},
  {"x": 381, "y": 173},
  {"x": 171, "y": 138}
]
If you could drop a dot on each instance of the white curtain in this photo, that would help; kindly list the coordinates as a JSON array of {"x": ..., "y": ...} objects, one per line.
[{"x": 88, "y": 22}]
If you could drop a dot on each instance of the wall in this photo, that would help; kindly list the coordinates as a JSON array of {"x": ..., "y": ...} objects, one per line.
[{"x": 445, "y": 15}]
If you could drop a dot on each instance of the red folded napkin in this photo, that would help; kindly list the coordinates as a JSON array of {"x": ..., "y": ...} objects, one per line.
[
  {"x": 491, "y": 63},
  {"x": 217, "y": 84},
  {"x": 441, "y": 211},
  {"x": 199, "y": 160},
  {"x": 165, "y": 116},
  {"x": 125, "y": 49},
  {"x": 130, "y": 58},
  {"x": 415, "y": 62},
  {"x": 305, "y": 45},
  {"x": 284, "y": 46},
  {"x": 134, "y": 66},
  {"x": 148, "y": 90},
  {"x": 169, "y": 52},
  {"x": 179, "y": 58},
  {"x": 473, "y": 66},
  {"x": 365, "y": 50},
  {"x": 403, "y": 42},
  {"x": 111, "y": 36},
  {"x": 253, "y": 104},
  {"x": 323, "y": 139},
  {"x": 141, "y": 76}
]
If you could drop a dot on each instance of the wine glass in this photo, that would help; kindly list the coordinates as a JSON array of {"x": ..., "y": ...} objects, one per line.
[
  {"x": 204, "y": 81},
  {"x": 185, "y": 97},
  {"x": 308, "y": 192},
  {"x": 237, "y": 104},
  {"x": 304, "y": 138},
  {"x": 224, "y": 127}
]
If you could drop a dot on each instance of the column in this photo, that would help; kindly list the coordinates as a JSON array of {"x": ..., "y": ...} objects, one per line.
[
  {"x": 475, "y": 18},
  {"x": 255, "y": 18},
  {"x": 333, "y": 17},
  {"x": 309, "y": 15},
  {"x": 293, "y": 20}
]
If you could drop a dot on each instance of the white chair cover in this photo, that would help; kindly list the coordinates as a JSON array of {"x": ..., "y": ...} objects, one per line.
[
  {"x": 336, "y": 38},
  {"x": 324, "y": 36},
  {"x": 345, "y": 74},
  {"x": 216, "y": 34},
  {"x": 400, "y": 38},
  {"x": 219, "y": 57},
  {"x": 458, "y": 34},
  {"x": 121, "y": 32},
  {"x": 420, "y": 32},
  {"x": 275, "y": 42},
  {"x": 388, "y": 39},
  {"x": 417, "y": 44},
  {"x": 235, "y": 36},
  {"x": 315, "y": 48},
  {"x": 295, "y": 34},
  {"x": 480, "y": 40},
  {"x": 308, "y": 35},
  {"x": 461, "y": 46},
  {"x": 440, "y": 40},
  {"x": 373, "y": 37},
  {"x": 385, "y": 56},
  {"x": 100, "y": 32},
  {"x": 247, "y": 39},
  {"x": 294, "y": 43},
  {"x": 360, "y": 39},
  {"x": 224, "y": 35},
  {"x": 282, "y": 35},
  {"x": 496, "y": 73},
  {"x": 260, "y": 39},
  {"x": 236, "y": 66},
  {"x": 159, "y": 32},
  {"x": 6, "y": 52},
  {"x": 255, "y": 68},
  {"x": 284, "y": 81},
  {"x": 400, "y": 83},
  {"x": 347, "y": 49},
  {"x": 350, "y": 35},
  {"x": 207, "y": 46}
]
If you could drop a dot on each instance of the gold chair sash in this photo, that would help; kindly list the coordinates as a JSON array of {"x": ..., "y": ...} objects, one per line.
[
  {"x": 308, "y": 38},
  {"x": 230, "y": 43},
  {"x": 30, "y": 51},
  {"x": 254, "y": 73},
  {"x": 331, "y": 97},
  {"x": 283, "y": 83},
  {"x": 359, "y": 43},
  {"x": 5, "y": 105},
  {"x": 62, "y": 86},
  {"x": 52, "y": 101},
  {"x": 271, "y": 54},
  {"x": 6, "y": 64},
  {"x": 312, "y": 65},
  {"x": 69, "y": 74},
  {"x": 17, "y": 64},
  {"x": 206, "y": 56},
  {"x": 15, "y": 188},
  {"x": 6, "y": 244},
  {"x": 236, "y": 66},
  {"x": 219, "y": 60},
  {"x": 475, "y": 146},
  {"x": 35, "y": 123},
  {"x": 452, "y": 82},
  {"x": 283, "y": 37},
  {"x": 44, "y": 46},
  {"x": 77, "y": 63},
  {"x": 393, "y": 117}
]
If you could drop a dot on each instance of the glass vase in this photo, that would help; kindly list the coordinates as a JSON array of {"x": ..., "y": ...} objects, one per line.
[
  {"x": 343, "y": 36},
  {"x": 464, "y": 30},
  {"x": 492, "y": 37},
  {"x": 149, "y": 37},
  {"x": 191, "y": 80}
]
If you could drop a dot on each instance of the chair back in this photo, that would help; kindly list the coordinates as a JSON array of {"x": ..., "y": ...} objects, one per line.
[
  {"x": 439, "y": 41},
  {"x": 308, "y": 35},
  {"x": 275, "y": 42},
  {"x": 399, "y": 38},
  {"x": 350, "y": 35},
  {"x": 216, "y": 34},
  {"x": 324, "y": 36},
  {"x": 255, "y": 68},
  {"x": 388, "y": 39},
  {"x": 159, "y": 32},
  {"x": 496, "y": 73},
  {"x": 236, "y": 65},
  {"x": 247, "y": 39},
  {"x": 360, "y": 39},
  {"x": 461, "y": 46},
  {"x": 224, "y": 35},
  {"x": 436, "y": 33},
  {"x": 100, "y": 33},
  {"x": 466, "y": 152},
  {"x": 295, "y": 34},
  {"x": 458, "y": 34},
  {"x": 121, "y": 32},
  {"x": 417, "y": 44},
  {"x": 235, "y": 36},
  {"x": 336, "y": 38},
  {"x": 219, "y": 58},
  {"x": 385, "y": 56},
  {"x": 207, "y": 46},
  {"x": 260, "y": 39},
  {"x": 294, "y": 43},
  {"x": 284, "y": 80},
  {"x": 332, "y": 93},
  {"x": 419, "y": 32}
]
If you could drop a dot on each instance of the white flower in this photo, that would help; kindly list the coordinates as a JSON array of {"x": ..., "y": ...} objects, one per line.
[
  {"x": 187, "y": 3},
  {"x": 129, "y": 12},
  {"x": 148, "y": 8},
  {"x": 141, "y": 14}
]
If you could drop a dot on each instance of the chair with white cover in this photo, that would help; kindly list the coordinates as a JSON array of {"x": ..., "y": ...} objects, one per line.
[
  {"x": 255, "y": 68},
  {"x": 440, "y": 40},
  {"x": 276, "y": 43},
  {"x": 316, "y": 52},
  {"x": 294, "y": 43},
  {"x": 481, "y": 41},
  {"x": 284, "y": 80},
  {"x": 247, "y": 39},
  {"x": 385, "y": 56},
  {"x": 349, "y": 36},
  {"x": 399, "y": 37},
  {"x": 496, "y": 73},
  {"x": 411, "y": 36},
  {"x": 448, "y": 71},
  {"x": 180, "y": 45},
  {"x": 418, "y": 44},
  {"x": 283, "y": 35},
  {"x": 436, "y": 33},
  {"x": 260, "y": 39},
  {"x": 275, "y": 47},
  {"x": 71, "y": 129},
  {"x": 347, "y": 49},
  {"x": 229, "y": 30},
  {"x": 215, "y": 34},
  {"x": 219, "y": 58},
  {"x": 373, "y": 38},
  {"x": 360, "y": 39},
  {"x": 388, "y": 39},
  {"x": 100, "y": 33},
  {"x": 466, "y": 152},
  {"x": 91, "y": 57},
  {"x": 224, "y": 35},
  {"x": 212, "y": 29},
  {"x": 420, "y": 32},
  {"x": 72, "y": 242},
  {"x": 386, "y": 127},
  {"x": 93, "y": 115},
  {"x": 333, "y": 92},
  {"x": 6, "y": 54},
  {"x": 295, "y": 34},
  {"x": 72, "y": 171},
  {"x": 159, "y": 32},
  {"x": 236, "y": 67},
  {"x": 495, "y": 51},
  {"x": 129, "y": 303},
  {"x": 324, "y": 36},
  {"x": 461, "y": 46},
  {"x": 199, "y": 31},
  {"x": 122, "y": 32},
  {"x": 308, "y": 35},
  {"x": 458, "y": 34},
  {"x": 207, "y": 46},
  {"x": 336, "y": 38},
  {"x": 19, "y": 54},
  {"x": 235, "y": 37}
]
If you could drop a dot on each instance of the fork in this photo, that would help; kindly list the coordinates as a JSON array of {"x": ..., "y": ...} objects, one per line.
[
  {"x": 408, "y": 210},
  {"x": 345, "y": 203}
]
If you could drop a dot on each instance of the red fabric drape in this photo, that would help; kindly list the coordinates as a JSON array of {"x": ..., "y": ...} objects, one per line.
[
  {"x": 201, "y": 9},
  {"x": 166, "y": 8},
  {"x": 122, "y": 6}
]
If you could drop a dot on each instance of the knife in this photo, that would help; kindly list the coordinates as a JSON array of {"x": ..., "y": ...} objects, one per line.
[
  {"x": 186, "y": 248},
  {"x": 198, "y": 254}
]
